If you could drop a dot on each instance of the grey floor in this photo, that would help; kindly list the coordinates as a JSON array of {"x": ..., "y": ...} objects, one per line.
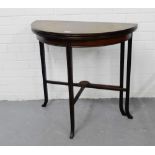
[{"x": 98, "y": 122}]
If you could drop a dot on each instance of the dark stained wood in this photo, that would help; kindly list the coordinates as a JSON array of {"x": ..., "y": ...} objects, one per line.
[
  {"x": 82, "y": 34},
  {"x": 122, "y": 53},
  {"x": 69, "y": 58},
  {"x": 86, "y": 43},
  {"x": 89, "y": 85},
  {"x": 78, "y": 94},
  {"x": 43, "y": 65},
  {"x": 128, "y": 79}
]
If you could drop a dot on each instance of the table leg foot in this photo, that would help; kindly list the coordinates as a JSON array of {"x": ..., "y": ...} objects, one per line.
[
  {"x": 45, "y": 104},
  {"x": 121, "y": 106},
  {"x": 71, "y": 135},
  {"x": 129, "y": 116}
]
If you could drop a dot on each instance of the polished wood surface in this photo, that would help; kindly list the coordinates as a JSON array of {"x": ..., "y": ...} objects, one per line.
[{"x": 75, "y": 29}]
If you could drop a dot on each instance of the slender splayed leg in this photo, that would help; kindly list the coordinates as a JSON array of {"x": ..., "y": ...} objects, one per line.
[
  {"x": 121, "y": 78},
  {"x": 43, "y": 66},
  {"x": 70, "y": 86},
  {"x": 128, "y": 79}
]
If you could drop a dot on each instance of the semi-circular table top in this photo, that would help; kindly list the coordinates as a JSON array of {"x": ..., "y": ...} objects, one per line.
[{"x": 78, "y": 30}]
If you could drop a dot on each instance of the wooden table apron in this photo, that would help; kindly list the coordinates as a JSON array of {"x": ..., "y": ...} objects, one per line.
[{"x": 86, "y": 40}]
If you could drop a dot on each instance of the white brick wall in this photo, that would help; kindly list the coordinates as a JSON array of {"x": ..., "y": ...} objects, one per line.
[{"x": 20, "y": 71}]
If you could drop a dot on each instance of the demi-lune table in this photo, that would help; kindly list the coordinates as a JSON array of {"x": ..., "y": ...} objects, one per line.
[{"x": 75, "y": 34}]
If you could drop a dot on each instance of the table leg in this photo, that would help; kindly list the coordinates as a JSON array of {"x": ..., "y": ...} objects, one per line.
[
  {"x": 128, "y": 79},
  {"x": 43, "y": 66},
  {"x": 121, "y": 78},
  {"x": 70, "y": 86}
]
